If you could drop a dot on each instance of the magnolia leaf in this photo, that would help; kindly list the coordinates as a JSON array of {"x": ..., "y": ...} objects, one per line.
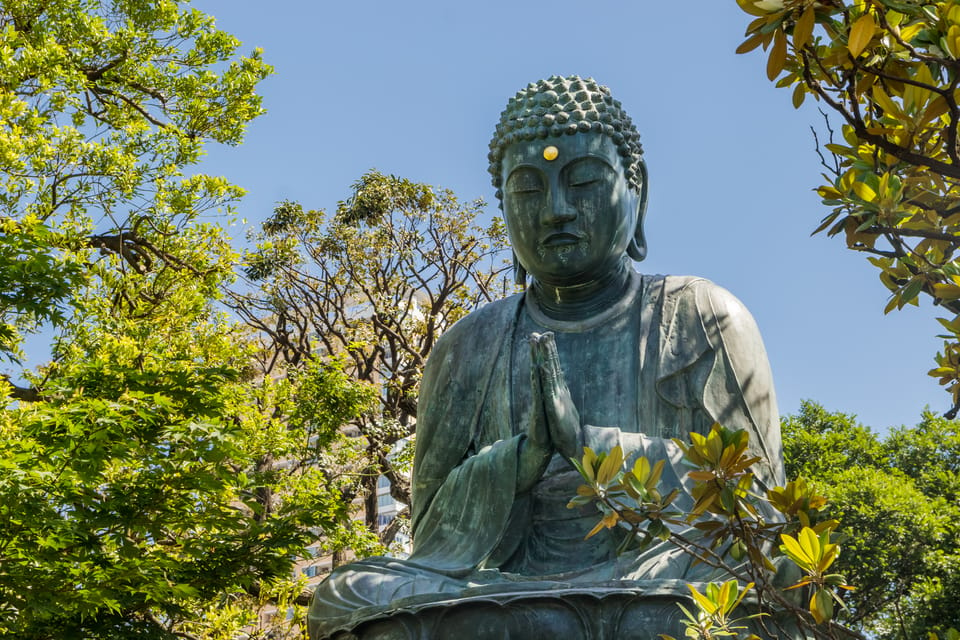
[
  {"x": 885, "y": 102},
  {"x": 894, "y": 303},
  {"x": 799, "y": 94},
  {"x": 703, "y": 602},
  {"x": 641, "y": 469},
  {"x": 821, "y": 606},
  {"x": 793, "y": 550},
  {"x": 751, "y": 7},
  {"x": 810, "y": 543},
  {"x": 751, "y": 43},
  {"x": 861, "y": 33},
  {"x": 778, "y": 56},
  {"x": 804, "y": 28},
  {"x": 610, "y": 466},
  {"x": 911, "y": 291},
  {"x": 654, "y": 478},
  {"x": 589, "y": 457}
]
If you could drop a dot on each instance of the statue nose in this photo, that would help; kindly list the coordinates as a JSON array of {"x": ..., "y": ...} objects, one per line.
[{"x": 557, "y": 210}]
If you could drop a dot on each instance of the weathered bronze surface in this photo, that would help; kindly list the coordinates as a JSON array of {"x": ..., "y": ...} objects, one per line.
[{"x": 591, "y": 354}]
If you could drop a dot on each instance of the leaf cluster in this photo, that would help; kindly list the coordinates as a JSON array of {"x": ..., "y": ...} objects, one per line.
[
  {"x": 890, "y": 70},
  {"x": 712, "y": 618},
  {"x": 895, "y": 498},
  {"x": 729, "y": 526}
]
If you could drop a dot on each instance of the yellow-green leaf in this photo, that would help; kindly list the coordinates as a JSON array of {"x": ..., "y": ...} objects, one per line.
[
  {"x": 750, "y": 6},
  {"x": 861, "y": 33},
  {"x": 610, "y": 466},
  {"x": 641, "y": 469},
  {"x": 791, "y": 547},
  {"x": 778, "y": 56},
  {"x": 804, "y": 28},
  {"x": 655, "y": 475},
  {"x": 885, "y": 102},
  {"x": 589, "y": 457},
  {"x": 705, "y": 603},
  {"x": 864, "y": 191},
  {"x": 810, "y": 543},
  {"x": 799, "y": 93},
  {"x": 821, "y": 606},
  {"x": 751, "y": 43}
]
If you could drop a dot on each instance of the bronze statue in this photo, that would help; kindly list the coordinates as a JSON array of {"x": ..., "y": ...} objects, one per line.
[{"x": 591, "y": 354}]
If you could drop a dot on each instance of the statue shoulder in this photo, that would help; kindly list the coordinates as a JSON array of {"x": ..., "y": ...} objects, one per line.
[
  {"x": 698, "y": 316},
  {"x": 475, "y": 329},
  {"x": 703, "y": 298}
]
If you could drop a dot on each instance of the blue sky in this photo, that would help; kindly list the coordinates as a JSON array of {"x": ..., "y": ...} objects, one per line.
[{"x": 414, "y": 89}]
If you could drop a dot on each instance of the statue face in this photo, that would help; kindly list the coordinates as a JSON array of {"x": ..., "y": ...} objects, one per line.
[{"x": 570, "y": 219}]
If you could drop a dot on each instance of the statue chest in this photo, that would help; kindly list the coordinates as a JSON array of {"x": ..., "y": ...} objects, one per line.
[{"x": 602, "y": 366}]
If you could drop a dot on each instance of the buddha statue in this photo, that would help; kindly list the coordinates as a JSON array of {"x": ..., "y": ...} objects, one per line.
[{"x": 592, "y": 353}]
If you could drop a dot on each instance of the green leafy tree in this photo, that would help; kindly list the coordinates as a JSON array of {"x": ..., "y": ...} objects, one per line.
[
  {"x": 897, "y": 503},
  {"x": 374, "y": 284},
  {"x": 134, "y": 500},
  {"x": 890, "y": 70},
  {"x": 153, "y": 484},
  {"x": 103, "y": 105}
]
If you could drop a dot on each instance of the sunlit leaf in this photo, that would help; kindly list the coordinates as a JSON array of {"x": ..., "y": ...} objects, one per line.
[
  {"x": 778, "y": 56},
  {"x": 861, "y": 33},
  {"x": 803, "y": 30}
]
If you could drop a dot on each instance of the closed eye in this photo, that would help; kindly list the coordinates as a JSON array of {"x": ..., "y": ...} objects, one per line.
[
  {"x": 586, "y": 173},
  {"x": 584, "y": 182},
  {"x": 524, "y": 182}
]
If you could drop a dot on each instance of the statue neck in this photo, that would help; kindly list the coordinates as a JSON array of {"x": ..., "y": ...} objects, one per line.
[{"x": 584, "y": 300}]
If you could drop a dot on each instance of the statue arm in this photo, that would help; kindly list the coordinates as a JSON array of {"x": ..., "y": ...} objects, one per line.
[{"x": 466, "y": 459}]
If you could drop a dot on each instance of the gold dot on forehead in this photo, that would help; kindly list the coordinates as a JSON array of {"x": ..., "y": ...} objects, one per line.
[{"x": 550, "y": 153}]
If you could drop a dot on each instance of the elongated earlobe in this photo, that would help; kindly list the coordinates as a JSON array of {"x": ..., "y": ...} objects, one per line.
[
  {"x": 519, "y": 273},
  {"x": 638, "y": 245}
]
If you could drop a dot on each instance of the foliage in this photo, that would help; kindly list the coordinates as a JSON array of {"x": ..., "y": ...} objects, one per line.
[
  {"x": 152, "y": 484},
  {"x": 103, "y": 103},
  {"x": 714, "y": 607},
  {"x": 890, "y": 502},
  {"x": 897, "y": 502},
  {"x": 746, "y": 536},
  {"x": 133, "y": 496},
  {"x": 374, "y": 285},
  {"x": 890, "y": 69}
]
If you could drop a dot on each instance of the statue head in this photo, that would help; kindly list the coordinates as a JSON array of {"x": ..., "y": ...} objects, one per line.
[{"x": 546, "y": 129}]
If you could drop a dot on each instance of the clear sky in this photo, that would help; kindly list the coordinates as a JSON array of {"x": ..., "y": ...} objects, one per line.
[{"x": 414, "y": 89}]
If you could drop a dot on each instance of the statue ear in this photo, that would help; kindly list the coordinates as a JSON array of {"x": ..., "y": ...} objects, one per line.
[{"x": 638, "y": 245}]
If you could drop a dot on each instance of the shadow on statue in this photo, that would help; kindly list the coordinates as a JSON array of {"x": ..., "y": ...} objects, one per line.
[{"x": 593, "y": 354}]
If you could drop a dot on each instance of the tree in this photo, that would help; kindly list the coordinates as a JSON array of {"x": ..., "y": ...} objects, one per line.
[
  {"x": 897, "y": 503},
  {"x": 890, "y": 70},
  {"x": 134, "y": 498},
  {"x": 142, "y": 490},
  {"x": 103, "y": 104},
  {"x": 375, "y": 284}
]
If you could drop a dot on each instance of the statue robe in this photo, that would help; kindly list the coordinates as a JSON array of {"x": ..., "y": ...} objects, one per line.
[{"x": 699, "y": 359}]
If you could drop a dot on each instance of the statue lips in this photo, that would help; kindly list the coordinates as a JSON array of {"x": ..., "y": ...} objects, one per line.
[{"x": 561, "y": 239}]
